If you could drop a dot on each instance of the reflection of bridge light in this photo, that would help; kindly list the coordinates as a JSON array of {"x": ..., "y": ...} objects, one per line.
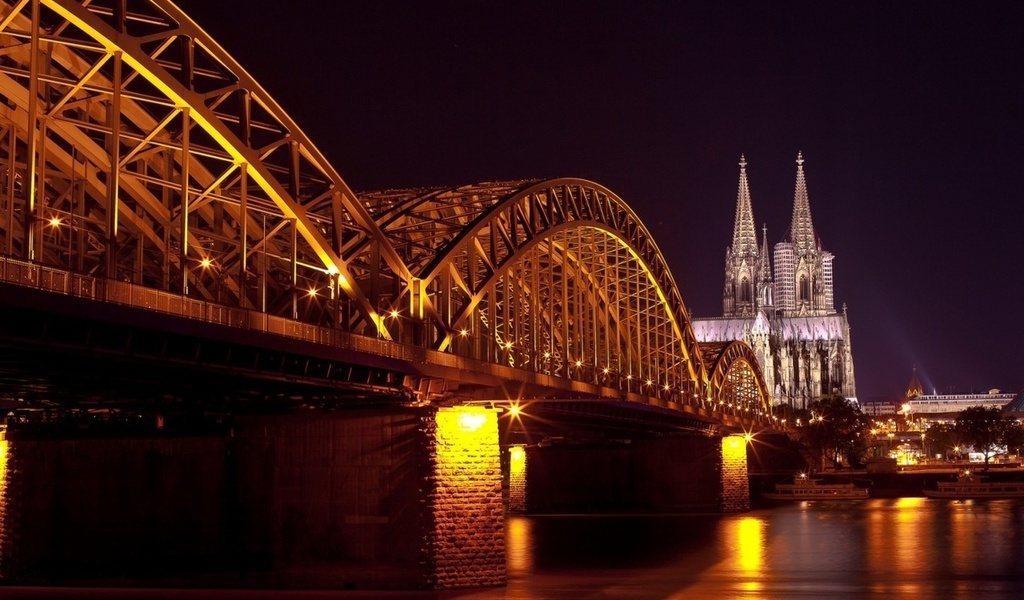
[
  {"x": 750, "y": 545},
  {"x": 520, "y": 545}
]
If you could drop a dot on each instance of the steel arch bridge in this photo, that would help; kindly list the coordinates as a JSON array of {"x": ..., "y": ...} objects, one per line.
[{"x": 134, "y": 149}]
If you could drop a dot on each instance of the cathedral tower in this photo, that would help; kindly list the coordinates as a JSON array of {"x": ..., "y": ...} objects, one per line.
[
  {"x": 803, "y": 270},
  {"x": 743, "y": 260}
]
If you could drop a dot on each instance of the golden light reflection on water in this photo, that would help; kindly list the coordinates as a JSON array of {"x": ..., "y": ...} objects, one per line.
[
  {"x": 746, "y": 546},
  {"x": 519, "y": 545},
  {"x": 750, "y": 545}
]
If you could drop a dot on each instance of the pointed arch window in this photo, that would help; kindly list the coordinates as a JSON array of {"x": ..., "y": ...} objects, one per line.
[
  {"x": 745, "y": 290},
  {"x": 804, "y": 291}
]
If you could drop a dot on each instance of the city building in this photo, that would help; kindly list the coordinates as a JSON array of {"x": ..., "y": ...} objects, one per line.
[
  {"x": 787, "y": 314},
  {"x": 934, "y": 408},
  {"x": 878, "y": 406}
]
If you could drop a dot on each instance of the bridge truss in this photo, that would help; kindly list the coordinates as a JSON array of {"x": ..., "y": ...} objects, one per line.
[{"x": 133, "y": 148}]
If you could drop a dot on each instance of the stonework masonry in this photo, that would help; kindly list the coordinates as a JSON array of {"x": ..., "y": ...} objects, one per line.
[
  {"x": 467, "y": 542},
  {"x": 735, "y": 482}
]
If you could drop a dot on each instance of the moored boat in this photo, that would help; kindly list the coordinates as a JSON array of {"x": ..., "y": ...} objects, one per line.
[
  {"x": 969, "y": 486},
  {"x": 805, "y": 488}
]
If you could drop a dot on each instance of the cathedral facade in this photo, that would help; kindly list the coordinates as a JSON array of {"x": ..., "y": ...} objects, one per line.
[{"x": 787, "y": 313}]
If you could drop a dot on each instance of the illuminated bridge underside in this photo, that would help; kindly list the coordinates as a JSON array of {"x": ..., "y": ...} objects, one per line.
[{"x": 134, "y": 149}]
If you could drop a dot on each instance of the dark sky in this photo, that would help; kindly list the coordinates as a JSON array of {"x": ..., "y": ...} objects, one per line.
[{"x": 910, "y": 116}]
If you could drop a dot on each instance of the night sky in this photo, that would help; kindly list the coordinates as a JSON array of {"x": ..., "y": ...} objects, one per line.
[{"x": 910, "y": 116}]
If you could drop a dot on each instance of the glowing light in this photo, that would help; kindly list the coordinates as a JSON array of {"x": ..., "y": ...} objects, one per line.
[
  {"x": 464, "y": 332},
  {"x": 55, "y": 221},
  {"x": 519, "y": 532},
  {"x": 332, "y": 269},
  {"x": 205, "y": 263},
  {"x": 605, "y": 370},
  {"x": 749, "y": 437},
  {"x": 547, "y": 355},
  {"x": 750, "y": 545},
  {"x": 649, "y": 382},
  {"x": 312, "y": 292},
  {"x": 579, "y": 363},
  {"x": 514, "y": 410},
  {"x": 394, "y": 314},
  {"x": 471, "y": 421},
  {"x": 629, "y": 377},
  {"x": 517, "y": 483}
]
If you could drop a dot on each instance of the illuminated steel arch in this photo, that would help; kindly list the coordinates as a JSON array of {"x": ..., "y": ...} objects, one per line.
[
  {"x": 736, "y": 380},
  {"x": 558, "y": 277},
  {"x": 133, "y": 147},
  {"x": 160, "y": 161}
]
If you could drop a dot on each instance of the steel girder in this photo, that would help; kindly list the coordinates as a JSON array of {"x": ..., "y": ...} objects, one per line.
[
  {"x": 559, "y": 277},
  {"x": 133, "y": 147},
  {"x": 158, "y": 159},
  {"x": 737, "y": 380}
]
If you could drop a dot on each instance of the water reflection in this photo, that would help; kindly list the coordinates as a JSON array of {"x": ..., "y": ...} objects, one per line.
[{"x": 898, "y": 549}]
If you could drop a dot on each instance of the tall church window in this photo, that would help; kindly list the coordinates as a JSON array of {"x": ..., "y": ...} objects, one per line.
[
  {"x": 805, "y": 289},
  {"x": 744, "y": 290}
]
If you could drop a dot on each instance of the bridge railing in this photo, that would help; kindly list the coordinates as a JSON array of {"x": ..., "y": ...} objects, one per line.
[{"x": 124, "y": 293}]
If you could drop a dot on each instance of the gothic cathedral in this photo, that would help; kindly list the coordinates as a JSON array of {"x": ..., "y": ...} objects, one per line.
[{"x": 786, "y": 315}]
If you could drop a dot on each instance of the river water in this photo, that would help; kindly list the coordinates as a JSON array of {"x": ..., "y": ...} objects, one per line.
[{"x": 900, "y": 548}]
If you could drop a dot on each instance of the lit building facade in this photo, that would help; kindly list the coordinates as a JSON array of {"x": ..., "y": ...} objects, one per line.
[
  {"x": 787, "y": 314},
  {"x": 945, "y": 407}
]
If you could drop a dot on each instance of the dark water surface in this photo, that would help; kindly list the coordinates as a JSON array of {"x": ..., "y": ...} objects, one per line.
[{"x": 903, "y": 548}]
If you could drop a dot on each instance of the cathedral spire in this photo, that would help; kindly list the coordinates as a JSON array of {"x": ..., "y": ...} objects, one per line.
[
  {"x": 765, "y": 273},
  {"x": 744, "y": 236},
  {"x": 801, "y": 230}
]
